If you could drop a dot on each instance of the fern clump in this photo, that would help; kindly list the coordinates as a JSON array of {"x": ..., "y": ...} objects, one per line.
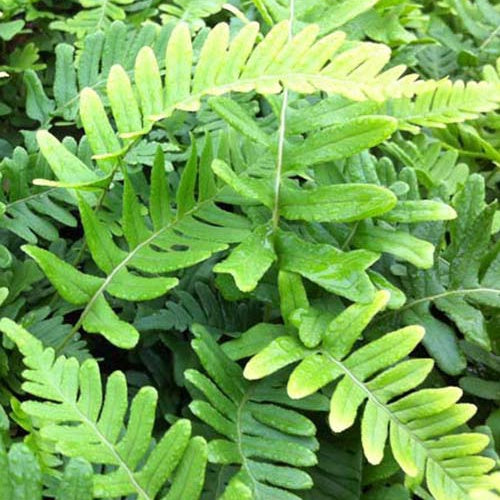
[{"x": 249, "y": 250}]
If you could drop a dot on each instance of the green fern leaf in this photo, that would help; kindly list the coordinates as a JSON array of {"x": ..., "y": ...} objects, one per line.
[
  {"x": 419, "y": 423},
  {"x": 72, "y": 411},
  {"x": 98, "y": 16},
  {"x": 198, "y": 230},
  {"x": 265, "y": 440},
  {"x": 29, "y": 211}
]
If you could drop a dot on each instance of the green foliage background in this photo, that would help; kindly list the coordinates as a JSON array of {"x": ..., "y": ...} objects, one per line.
[{"x": 249, "y": 249}]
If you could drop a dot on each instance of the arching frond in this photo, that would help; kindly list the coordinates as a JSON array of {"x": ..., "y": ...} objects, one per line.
[
  {"x": 419, "y": 423},
  {"x": 266, "y": 441},
  {"x": 164, "y": 242},
  {"x": 71, "y": 410},
  {"x": 305, "y": 64}
]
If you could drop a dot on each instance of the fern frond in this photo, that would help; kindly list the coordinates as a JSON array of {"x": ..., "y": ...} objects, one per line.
[
  {"x": 436, "y": 169},
  {"x": 166, "y": 241},
  {"x": 191, "y": 11},
  {"x": 72, "y": 411},
  {"x": 269, "y": 443},
  {"x": 446, "y": 103},
  {"x": 199, "y": 304},
  {"x": 442, "y": 103},
  {"x": 419, "y": 423},
  {"x": 469, "y": 281},
  {"x": 21, "y": 477},
  {"x": 89, "y": 67},
  {"x": 97, "y": 16},
  {"x": 339, "y": 472},
  {"x": 305, "y": 64},
  {"x": 32, "y": 212},
  {"x": 328, "y": 17}
]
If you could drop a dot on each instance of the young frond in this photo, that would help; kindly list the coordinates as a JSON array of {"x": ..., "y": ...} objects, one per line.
[
  {"x": 72, "y": 411},
  {"x": 266, "y": 441},
  {"x": 418, "y": 423},
  {"x": 304, "y": 64}
]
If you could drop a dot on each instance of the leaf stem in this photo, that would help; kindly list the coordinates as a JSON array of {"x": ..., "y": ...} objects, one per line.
[
  {"x": 432, "y": 298},
  {"x": 281, "y": 136}
]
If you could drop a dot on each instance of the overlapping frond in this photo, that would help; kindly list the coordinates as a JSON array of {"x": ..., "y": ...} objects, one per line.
[
  {"x": 268, "y": 442},
  {"x": 305, "y": 64},
  {"x": 419, "y": 423},
  {"x": 21, "y": 477},
  {"x": 32, "y": 212},
  {"x": 164, "y": 241},
  {"x": 71, "y": 410},
  {"x": 89, "y": 67},
  {"x": 96, "y": 15},
  {"x": 444, "y": 103}
]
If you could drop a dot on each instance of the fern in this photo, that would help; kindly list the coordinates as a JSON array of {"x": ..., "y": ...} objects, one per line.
[
  {"x": 97, "y": 16},
  {"x": 328, "y": 17},
  {"x": 21, "y": 476},
  {"x": 419, "y": 423},
  {"x": 74, "y": 413},
  {"x": 27, "y": 210},
  {"x": 165, "y": 243},
  {"x": 437, "y": 170},
  {"x": 270, "y": 187},
  {"x": 191, "y": 11},
  {"x": 265, "y": 440},
  {"x": 463, "y": 284},
  {"x": 89, "y": 67},
  {"x": 238, "y": 66},
  {"x": 447, "y": 103}
]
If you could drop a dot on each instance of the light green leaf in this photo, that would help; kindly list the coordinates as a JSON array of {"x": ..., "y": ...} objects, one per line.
[
  {"x": 420, "y": 211},
  {"x": 339, "y": 272},
  {"x": 403, "y": 245},
  {"x": 257, "y": 249},
  {"x": 148, "y": 81},
  {"x": 76, "y": 483},
  {"x": 340, "y": 141},
  {"x": 101, "y": 136},
  {"x": 337, "y": 203},
  {"x": 74, "y": 286},
  {"x": 65, "y": 165},
  {"x": 280, "y": 353},
  {"x": 234, "y": 114}
]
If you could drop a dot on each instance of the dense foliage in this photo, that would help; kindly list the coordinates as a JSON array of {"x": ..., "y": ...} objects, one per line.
[{"x": 250, "y": 250}]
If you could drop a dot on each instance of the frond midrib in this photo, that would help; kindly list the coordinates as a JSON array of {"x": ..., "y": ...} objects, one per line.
[
  {"x": 90, "y": 423},
  {"x": 109, "y": 278},
  {"x": 393, "y": 418}
]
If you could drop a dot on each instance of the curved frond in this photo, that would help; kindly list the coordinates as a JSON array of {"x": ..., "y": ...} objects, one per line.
[
  {"x": 73, "y": 412},
  {"x": 304, "y": 64},
  {"x": 418, "y": 423},
  {"x": 166, "y": 241},
  {"x": 268, "y": 442}
]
